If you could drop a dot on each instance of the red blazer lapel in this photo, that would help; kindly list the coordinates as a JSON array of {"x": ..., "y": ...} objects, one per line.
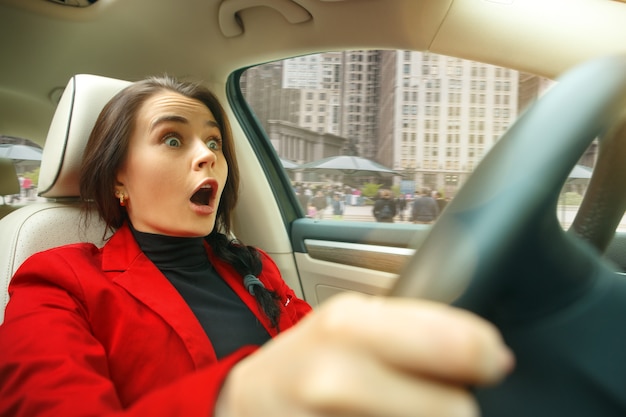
[{"x": 131, "y": 269}]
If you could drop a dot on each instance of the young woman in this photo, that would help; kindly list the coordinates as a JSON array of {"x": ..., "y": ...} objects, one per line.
[{"x": 174, "y": 318}]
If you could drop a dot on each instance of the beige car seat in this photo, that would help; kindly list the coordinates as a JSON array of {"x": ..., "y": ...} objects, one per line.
[{"x": 59, "y": 220}]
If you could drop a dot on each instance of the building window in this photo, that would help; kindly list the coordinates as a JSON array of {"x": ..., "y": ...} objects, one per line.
[{"x": 452, "y": 179}]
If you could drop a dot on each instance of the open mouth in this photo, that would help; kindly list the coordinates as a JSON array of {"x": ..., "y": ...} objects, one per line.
[{"x": 202, "y": 197}]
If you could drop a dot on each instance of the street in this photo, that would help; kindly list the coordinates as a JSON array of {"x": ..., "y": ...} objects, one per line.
[{"x": 364, "y": 214}]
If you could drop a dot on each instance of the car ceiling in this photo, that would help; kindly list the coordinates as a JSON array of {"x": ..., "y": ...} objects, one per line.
[{"x": 44, "y": 43}]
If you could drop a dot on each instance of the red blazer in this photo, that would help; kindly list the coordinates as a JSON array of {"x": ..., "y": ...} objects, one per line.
[{"x": 92, "y": 332}]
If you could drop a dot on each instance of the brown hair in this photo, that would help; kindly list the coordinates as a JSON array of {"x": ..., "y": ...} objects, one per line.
[{"x": 108, "y": 145}]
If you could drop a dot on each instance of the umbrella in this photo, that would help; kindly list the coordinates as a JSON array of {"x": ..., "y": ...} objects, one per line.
[
  {"x": 349, "y": 165},
  {"x": 580, "y": 174},
  {"x": 20, "y": 152},
  {"x": 288, "y": 164}
]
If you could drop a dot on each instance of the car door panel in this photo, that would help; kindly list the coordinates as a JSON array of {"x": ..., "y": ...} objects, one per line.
[{"x": 338, "y": 256}]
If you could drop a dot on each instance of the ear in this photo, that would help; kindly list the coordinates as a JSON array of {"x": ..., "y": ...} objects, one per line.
[
  {"x": 120, "y": 191},
  {"x": 119, "y": 182}
]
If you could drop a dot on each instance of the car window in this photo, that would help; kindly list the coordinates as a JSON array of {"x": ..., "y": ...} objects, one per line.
[
  {"x": 26, "y": 158},
  {"x": 416, "y": 121}
]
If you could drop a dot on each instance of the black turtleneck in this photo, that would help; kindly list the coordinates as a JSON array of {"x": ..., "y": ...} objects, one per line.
[{"x": 226, "y": 319}]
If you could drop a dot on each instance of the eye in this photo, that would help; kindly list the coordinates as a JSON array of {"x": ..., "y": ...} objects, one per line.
[
  {"x": 214, "y": 144},
  {"x": 172, "y": 142}
]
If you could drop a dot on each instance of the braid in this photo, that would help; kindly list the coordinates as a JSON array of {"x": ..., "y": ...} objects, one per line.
[{"x": 247, "y": 261}]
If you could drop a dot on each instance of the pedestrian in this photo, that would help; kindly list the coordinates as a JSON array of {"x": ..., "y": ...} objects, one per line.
[
  {"x": 441, "y": 202},
  {"x": 338, "y": 206},
  {"x": 401, "y": 206},
  {"x": 424, "y": 208},
  {"x": 303, "y": 199},
  {"x": 385, "y": 207},
  {"x": 319, "y": 203}
]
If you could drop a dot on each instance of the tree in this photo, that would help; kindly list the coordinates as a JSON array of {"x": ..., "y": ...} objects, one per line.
[{"x": 370, "y": 189}]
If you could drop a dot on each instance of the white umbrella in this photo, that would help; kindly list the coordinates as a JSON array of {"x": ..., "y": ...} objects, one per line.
[
  {"x": 20, "y": 152},
  {"x": 288, "y": 164},
  {"x": 580, "y": 174},
  {"x": 349, "y": 165}
]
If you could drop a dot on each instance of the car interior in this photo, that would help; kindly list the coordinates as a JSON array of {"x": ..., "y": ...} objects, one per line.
[{"x": 500, "y": 248}]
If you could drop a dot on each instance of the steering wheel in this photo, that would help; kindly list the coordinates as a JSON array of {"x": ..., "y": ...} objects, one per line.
[{"x": 499, "y": 251}]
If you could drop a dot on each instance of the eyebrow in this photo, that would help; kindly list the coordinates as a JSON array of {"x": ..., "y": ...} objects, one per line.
[{"x": 178, "y": 119}]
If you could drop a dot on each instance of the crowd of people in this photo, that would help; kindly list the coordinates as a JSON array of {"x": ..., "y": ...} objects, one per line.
[
  {"x": 423, "y": 207},
  {"x": 314, "y": 202}
]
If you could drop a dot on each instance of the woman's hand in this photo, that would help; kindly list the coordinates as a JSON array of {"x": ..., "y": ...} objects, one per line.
[{"x": 370, "y": 356}]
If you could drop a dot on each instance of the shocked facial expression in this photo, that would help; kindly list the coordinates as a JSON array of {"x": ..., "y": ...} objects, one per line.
[{"x": 175, "y": 171}]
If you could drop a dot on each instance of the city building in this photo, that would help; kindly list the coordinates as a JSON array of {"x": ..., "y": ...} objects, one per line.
[
  {"x": 441, "y": 115},
  {"x": 428, "y": 116}
]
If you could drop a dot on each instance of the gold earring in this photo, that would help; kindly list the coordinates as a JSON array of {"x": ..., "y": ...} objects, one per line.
[{"x": 122, "y": 198}]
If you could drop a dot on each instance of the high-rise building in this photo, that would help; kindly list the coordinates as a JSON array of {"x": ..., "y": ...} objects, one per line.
[
  {"x": 440, "y": 115},
  {"x": 297, "y": 106},
  {"x": 429, "y": 116},
  {"x": 339, "y": 93}
]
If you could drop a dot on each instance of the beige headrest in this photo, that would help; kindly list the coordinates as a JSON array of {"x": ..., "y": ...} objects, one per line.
[
  {"x": 9, "y": 184},
  {"x": 79, "y": 107}
]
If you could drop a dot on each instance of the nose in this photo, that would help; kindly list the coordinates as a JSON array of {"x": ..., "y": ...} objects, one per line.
[{"x": 203, "y": 156}]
